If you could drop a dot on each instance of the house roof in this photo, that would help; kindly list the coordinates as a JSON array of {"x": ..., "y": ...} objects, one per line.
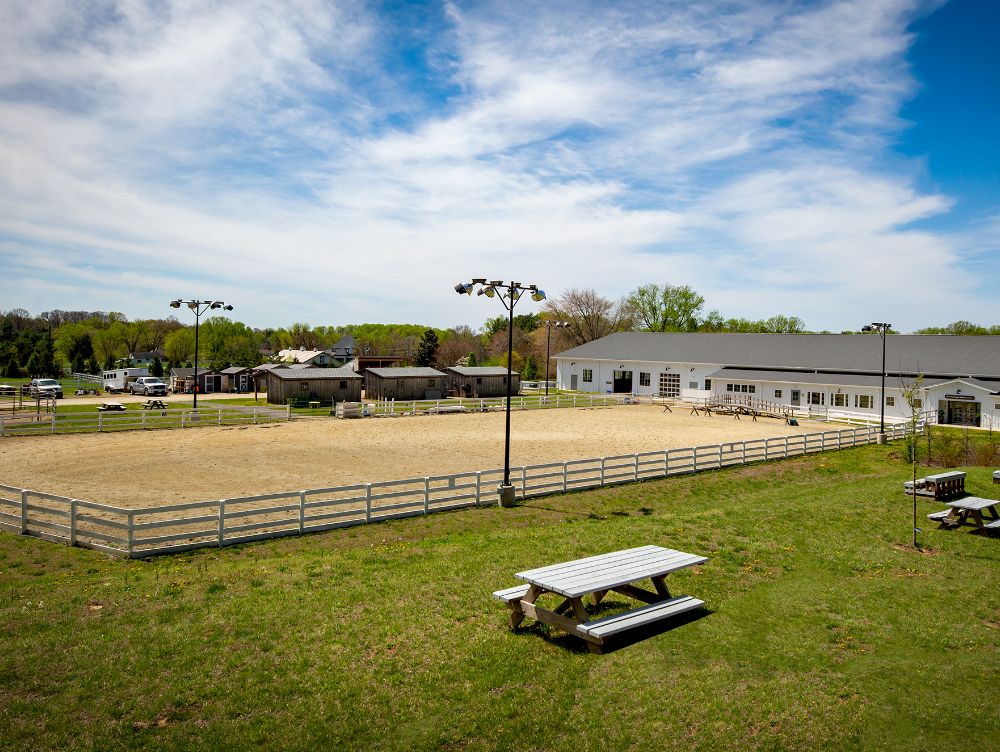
[
  {"x": 930, "y": 354},
  {"x": 402, "y": 373},
  {"x": 301, "y": 366},
  {"x": 481, "y": 371},
  {"x": 268, "y": 366},
  {"x": 300, "y": 356},
  {"x": 313, "y": 374},
  {"x": 183, "y": 373},
  {"x": 232, "y": 370},
  {"x": 345, "y": 343}
]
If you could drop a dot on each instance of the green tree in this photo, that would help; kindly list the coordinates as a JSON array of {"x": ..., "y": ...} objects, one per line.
[
  {"x": 666, "y": 308},
  {"x": 471, "y": 361},
  {"x": 157, "y": 368},
  {"x": 530, "y": 371},
  {"x": 427, "y": 348}
]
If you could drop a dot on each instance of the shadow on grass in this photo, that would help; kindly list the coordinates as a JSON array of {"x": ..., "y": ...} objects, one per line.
[{"x": 575, "y": 644}]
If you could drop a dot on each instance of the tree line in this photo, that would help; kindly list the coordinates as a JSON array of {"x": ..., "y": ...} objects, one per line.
[{"x": 55, "y": 342}]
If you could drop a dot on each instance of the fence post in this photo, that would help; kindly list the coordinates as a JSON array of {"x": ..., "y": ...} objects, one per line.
[
  {"x": 666, "y": 462},
  {"x": 222, "y": 521},
  {"x": 288, "y": 412},
  {"x": 368, "y": 502},
  {"x": 53, "y": 421},
  {"x": 602, "y": 471},
  {"x": 24, "y": 511},
  {"x": 479, "y": 485},
  {"x": 72, "y": 522},
  {"x": 694, "y": 460},
  {"x": 131, "y": 532},
  {"x": 427, "y": 493},
  {"x": 142, "y": 421},
  {"x": 635, "y": 474},
  {"x": 100, "y": 422},
  {"x": 524, "y": 482},
  {"x": 302, "y": 512},
  {"x": 743, "y": 452},
  {"x": 565, "y": 471},
  {"x": 786, "y": 447}
]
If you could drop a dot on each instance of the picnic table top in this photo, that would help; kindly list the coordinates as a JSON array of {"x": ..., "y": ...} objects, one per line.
[
  {"x": 972, "y": 502},
  {"x": 606, "y": 571}
]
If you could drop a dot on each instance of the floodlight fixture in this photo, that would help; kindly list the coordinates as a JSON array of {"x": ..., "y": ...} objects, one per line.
[
  {"x": 199, "y": 307},
  {"x": 175, "y": 304}
]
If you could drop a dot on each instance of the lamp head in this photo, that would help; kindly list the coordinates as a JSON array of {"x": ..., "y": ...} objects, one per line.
[
  {"x": 175, "y": 304},
  {"x": 227, "y": 308},
  {"x": 538, "y": 295},
  {"x": 463, "y": 289},
  {"x": 489, "y": 292},
  {"x": 867, "y": 328}
]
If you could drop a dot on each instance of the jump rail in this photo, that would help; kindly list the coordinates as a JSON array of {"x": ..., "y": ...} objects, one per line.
[{"x": 171, "y": 528}]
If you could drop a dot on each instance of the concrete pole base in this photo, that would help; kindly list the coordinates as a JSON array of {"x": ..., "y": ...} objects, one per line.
[
  {"x": 505, "y": 495},
  {"x": 881, "y": 438}
]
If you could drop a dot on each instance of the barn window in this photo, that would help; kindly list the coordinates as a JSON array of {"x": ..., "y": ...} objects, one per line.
[
  {"x": 777, "y": 394},
  {"x": 588, "y": 375},
  {"x": 918, "y": 403},
  {"x": 863, "y": 401},
  {"x": 890, "y": 401},
  {"x": 643, "y": 379},
  {"x": 400, "y": 383},
  {"x": 479, "y": 379},
  {"x": 840, "y": 400},
  {"x": 303, "y": 386},
  {"x": 430, "y": 382},
  {"x": 343, "y": 385},
  {"x": 708, "y": 385}
]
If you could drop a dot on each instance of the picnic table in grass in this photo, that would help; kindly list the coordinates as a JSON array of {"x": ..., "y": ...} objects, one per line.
[
  {"x": 996, "y": 476},
  {"x": 942, "y": 486},
  {"x": 970, "y": 509},
  {"x": 617, "y": 571},
  {"x": 154, "y": 404},
  {"x": 114, "y": 407}
]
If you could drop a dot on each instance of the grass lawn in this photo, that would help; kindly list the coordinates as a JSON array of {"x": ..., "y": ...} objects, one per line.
[{"x": 823, "y": 630}]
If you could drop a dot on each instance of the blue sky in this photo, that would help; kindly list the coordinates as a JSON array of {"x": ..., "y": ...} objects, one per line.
[{"x": 341, "y": 162}]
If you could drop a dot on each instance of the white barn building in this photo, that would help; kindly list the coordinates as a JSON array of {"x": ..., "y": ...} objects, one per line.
[{"x": 838, "y": 373}]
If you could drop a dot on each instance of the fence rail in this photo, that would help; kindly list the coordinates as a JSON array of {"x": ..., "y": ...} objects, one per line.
[
  {"x": 390, "y": 408},
  {"x": 172, "y": 528},
  {"x": 138, "y": 419}
]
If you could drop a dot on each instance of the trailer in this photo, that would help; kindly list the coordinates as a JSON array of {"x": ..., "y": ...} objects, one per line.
[{"x": 119, "y": 379}]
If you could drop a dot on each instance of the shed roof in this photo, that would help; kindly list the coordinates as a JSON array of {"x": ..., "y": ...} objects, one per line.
[
  {"x": 930, "y": 354},
  {"x": 402, "y": 373},
  {"x": 481, "y": 371},
  {"x": 314, "y": 374},
  {"x": 233, "y": 369}
]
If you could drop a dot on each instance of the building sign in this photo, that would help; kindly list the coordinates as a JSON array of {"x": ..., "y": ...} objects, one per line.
[{"x": 966, "y": 397}]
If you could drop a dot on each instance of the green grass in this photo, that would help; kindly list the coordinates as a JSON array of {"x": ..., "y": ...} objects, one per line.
[{"x": 823, "y": 630}]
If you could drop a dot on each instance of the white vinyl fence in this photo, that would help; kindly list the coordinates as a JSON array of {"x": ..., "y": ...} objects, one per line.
[
  {"x": 136, "y": 419},
  {"x": 490, "y": 404},
  {"x": 172, "y": 528}
]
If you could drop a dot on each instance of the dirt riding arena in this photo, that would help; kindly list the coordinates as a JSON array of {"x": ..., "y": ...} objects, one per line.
[{"x": 141, "y": 469}]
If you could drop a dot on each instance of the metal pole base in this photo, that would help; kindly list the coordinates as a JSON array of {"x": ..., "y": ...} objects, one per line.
[
  {"x": 505, "y": 495},
  {"x": 881, "y": 438}
]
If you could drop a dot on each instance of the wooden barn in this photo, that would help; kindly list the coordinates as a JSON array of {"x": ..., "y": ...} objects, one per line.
[
  {"x": 323, "y": 385},
  {"x": 405, "y": 383},
  {"x": 481, "y": 381}
]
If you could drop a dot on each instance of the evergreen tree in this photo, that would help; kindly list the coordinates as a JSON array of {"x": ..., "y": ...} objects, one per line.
[
  {"x": 530, "y": 371},
  {"x": 427, "y": 348},
  {"x": 79, "y": 363},
  {"x": 157, "y": 368},
  {"x": 92, "y": 366},
  {"x": 471, "y": 361}
]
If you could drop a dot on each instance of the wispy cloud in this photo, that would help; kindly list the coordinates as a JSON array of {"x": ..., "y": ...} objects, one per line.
[{"x": 334, "y": 163}]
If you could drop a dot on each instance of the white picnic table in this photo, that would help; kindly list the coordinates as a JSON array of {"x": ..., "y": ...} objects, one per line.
[
  {"x": 973, "y": 507},
  {"x": 596, "y": 576}
]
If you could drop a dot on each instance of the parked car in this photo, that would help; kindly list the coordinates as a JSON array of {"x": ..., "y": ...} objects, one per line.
[
  {"x": 8, "y": 389},
  {"x": 45, "y": 388},
  {"x": 149, "y": 386}
]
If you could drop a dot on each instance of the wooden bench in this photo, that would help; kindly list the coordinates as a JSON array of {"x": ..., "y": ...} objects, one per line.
[
  {"x": 639, "y": 617},
  {"x": 942, "y": 487},
  {"x": 995, "y": 525},
  {"x": 513, "y": 594}
]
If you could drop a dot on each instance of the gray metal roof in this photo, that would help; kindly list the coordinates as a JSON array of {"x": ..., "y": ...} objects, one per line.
[
  {"x": 313, "y": 374},
  {"x": 836, "y": 379},
  {"x": 233, "y": 370},
  {"x": 402, "y": 373},
  {"x": 481, "y": 371},
  {"x": 930, "y": 354}
]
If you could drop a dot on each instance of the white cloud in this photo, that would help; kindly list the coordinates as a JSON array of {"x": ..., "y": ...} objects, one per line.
[{"x": 285, "y": 157}]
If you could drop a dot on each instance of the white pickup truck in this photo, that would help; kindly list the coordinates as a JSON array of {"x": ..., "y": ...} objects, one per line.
[{"x": 151, "y": 386}]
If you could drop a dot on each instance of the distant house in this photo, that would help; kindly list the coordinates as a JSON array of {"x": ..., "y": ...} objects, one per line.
[
  {"x": 361, "y": 363},
  {"x": 343, "y": 350},
  {"x": 481, "y": 381},
  {"x": 323, "y": 385},
  {"x": 236, "y": 379},
  {"x": 405, "y": 383},
  {"x": 182, "y": 380},
  {"x": 321, "y": 358},
  {"x": 140, "y": 359}
]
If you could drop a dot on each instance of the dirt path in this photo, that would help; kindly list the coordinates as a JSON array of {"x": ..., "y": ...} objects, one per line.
[{"x": 156, "y": 467}]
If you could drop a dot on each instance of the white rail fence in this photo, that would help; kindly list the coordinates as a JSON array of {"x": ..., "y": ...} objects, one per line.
[
  {"x": 172, "y": 528},
  {"x": 138, "y": 419},
  {"x": 390, "y": 408}
]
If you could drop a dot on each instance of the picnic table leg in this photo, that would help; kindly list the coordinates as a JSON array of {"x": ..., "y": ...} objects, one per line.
[
  {"x": 661, "y": 587},
  {"x": 598, "y": 596},
  {"x": 581, "y": 616},
  {"x": 516, "y": 614}
]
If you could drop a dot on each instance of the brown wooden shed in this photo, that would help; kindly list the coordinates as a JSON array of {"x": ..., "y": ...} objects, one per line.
[
  {"x": 482, "y": 381},
  {"x": 323, "y": 385},
  {"x": 405, "y": 383}
]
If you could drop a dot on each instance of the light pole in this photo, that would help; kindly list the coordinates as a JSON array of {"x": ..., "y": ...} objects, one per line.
[
  {"x": 548, "y": 336},
  {"x": 199, "y": 307},
  {"x": 882, "y": 329},
  {"x": 509, "y": 293}
]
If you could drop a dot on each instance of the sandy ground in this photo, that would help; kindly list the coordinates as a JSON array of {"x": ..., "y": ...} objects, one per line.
[{"x": 144, "y": 469}]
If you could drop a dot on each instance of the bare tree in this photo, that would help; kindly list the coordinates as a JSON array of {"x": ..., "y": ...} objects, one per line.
[
  {"x": 591, "y": 316},
  {"x": 913, "y": 393}
]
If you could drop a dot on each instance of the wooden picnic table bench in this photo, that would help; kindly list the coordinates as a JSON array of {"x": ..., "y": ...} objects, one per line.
[
  {"x": 970, "y": 509},
  {"x": 111, "y": 407},
  {"x": 154, "y": 405},
  {"x": 942, "y": 486},
  {"x": 596, "y": 576}
]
